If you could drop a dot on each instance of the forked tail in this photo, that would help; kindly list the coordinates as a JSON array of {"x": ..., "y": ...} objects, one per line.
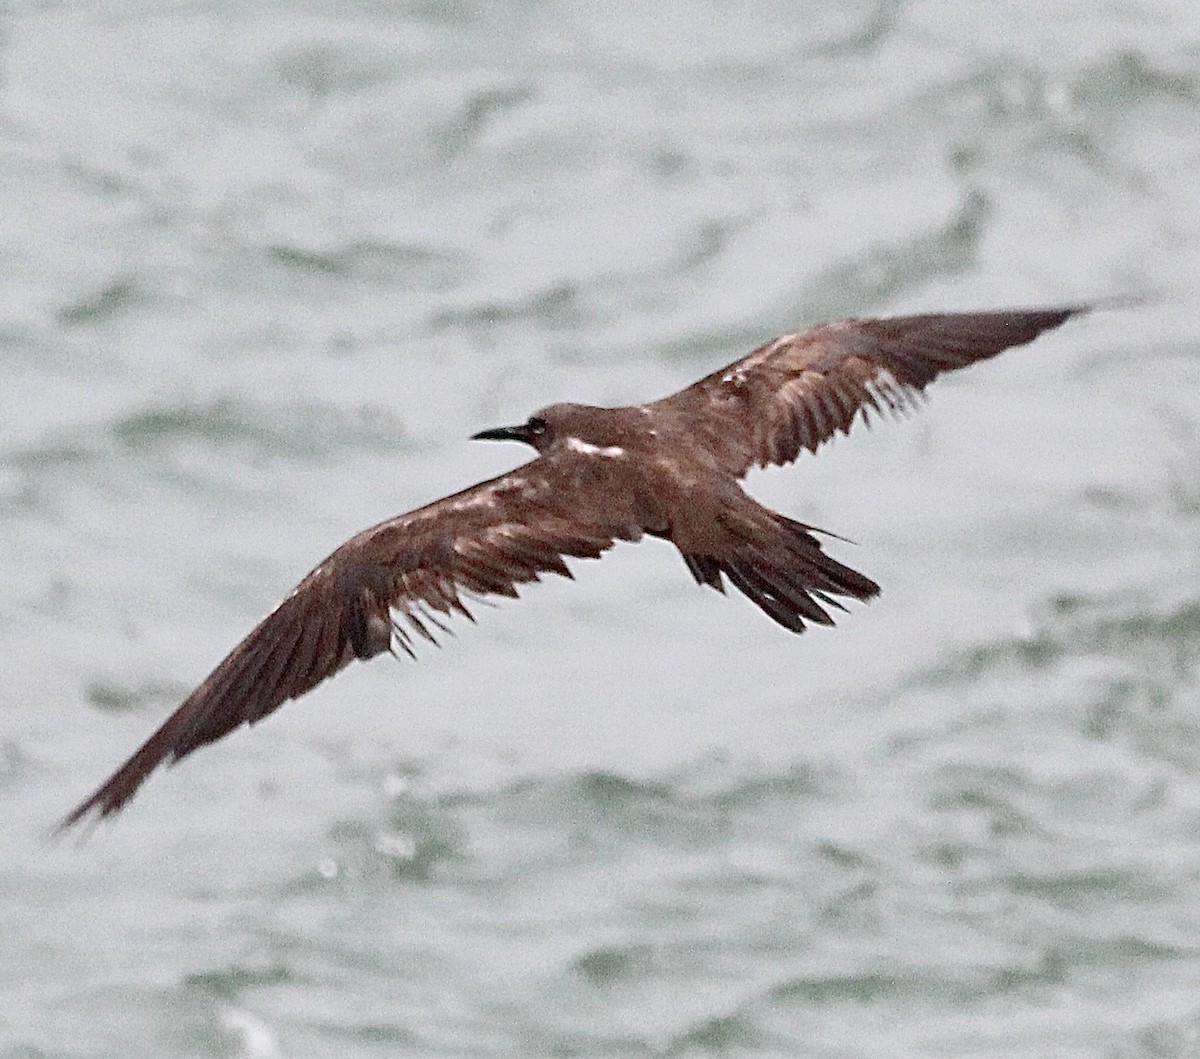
[{"x": 781, "y": 567}]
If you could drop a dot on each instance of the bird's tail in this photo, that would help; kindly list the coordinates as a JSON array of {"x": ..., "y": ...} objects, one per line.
[{"x": 780, "y": 566}]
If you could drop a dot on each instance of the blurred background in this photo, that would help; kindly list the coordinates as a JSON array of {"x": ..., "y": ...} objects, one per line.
[{"x": 264, "y": 267}]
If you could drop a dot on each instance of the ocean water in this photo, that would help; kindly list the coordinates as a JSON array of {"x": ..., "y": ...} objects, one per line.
[{"x": 267, "y": 266}]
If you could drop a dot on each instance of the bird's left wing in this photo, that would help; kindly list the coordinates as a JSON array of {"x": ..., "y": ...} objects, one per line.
[{"x": 390, "y": 583}]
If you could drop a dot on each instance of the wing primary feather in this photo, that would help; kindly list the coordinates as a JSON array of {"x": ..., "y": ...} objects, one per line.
[
  {"x": 433, "y": 619},
  {"x": 278, "y": 665},
  {"x": 413, "y": 619},
  {"x": 400, "y": 636},
  {"x": 306, "y": 654}
]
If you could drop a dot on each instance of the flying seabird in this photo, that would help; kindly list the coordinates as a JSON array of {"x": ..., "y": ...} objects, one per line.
[{"x": 669, "y": 469}]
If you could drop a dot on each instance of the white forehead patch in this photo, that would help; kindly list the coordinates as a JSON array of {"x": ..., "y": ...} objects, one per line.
[{"x": 588, "y": 449}]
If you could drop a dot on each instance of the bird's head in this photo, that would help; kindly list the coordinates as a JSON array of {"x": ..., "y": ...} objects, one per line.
[{"x": 540, "y": 430}]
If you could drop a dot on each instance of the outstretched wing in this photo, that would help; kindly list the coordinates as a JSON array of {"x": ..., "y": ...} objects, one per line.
[
  {"x": 391, "y": 583},
  {"x": 799, "y": 390}
]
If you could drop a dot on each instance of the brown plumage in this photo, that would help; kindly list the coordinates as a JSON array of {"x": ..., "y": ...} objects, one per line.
[{"x": 669, "y": 469}]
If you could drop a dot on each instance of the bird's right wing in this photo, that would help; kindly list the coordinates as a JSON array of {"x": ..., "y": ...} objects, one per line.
[
  {"x": 392, "y": 582},
  {"x": 798, "y": 390}
]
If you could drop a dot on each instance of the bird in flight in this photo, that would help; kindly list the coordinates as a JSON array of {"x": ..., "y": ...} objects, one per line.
[{"x": 669, "y": 469}]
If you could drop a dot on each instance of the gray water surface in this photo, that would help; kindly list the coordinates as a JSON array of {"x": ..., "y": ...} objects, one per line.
[{"x": 267, "y": 266}]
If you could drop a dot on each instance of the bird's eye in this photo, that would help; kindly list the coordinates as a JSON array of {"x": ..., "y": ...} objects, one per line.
[{"x": 536, "y": 424}]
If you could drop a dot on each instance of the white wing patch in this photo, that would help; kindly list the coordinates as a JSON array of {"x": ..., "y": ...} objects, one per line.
[{"x": 612, "y": 452}]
